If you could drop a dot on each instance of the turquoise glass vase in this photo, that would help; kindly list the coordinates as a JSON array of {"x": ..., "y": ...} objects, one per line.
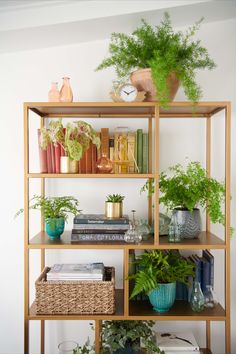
[
  {"x": 55, "y": 227},
  {"x": 163, "y": 297}
]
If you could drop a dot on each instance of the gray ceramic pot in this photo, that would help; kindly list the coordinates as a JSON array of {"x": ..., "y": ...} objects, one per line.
[{"x": 190, "y": 222}]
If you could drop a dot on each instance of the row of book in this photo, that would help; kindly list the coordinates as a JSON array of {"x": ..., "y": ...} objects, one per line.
[
  {"x": 127, "y": 150},
  {"x": 76, "y": 272},
  {"x": 96, "y": 227}
]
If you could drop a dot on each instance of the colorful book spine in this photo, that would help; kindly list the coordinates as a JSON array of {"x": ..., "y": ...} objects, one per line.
[
  {"x": 57, "y": 150},
  {"x": 131, "y": 153},
  {"x": 116, "y": 152},
  {"x": 97, "y": 220},
  {"x": 208, "y": 256},
  {"x": 88, "y": 159},
  {"x": 49, "y": 158},
  {"x": 105, "y": 142},
  {"x": 140, "y": 149},
  {"x": 82, "y": 164},
  {"x": 205, "y": 273},
  {"x": 123, "y": 152},
  {"x": 94, "y": 158},
  {"x": 98, "y": 231},
  {"x": 145, "y": 153},
  {"x": 113, "y": 227},
  {"x": 96, "y": 237},
  {"x": 42, "y": 156}
]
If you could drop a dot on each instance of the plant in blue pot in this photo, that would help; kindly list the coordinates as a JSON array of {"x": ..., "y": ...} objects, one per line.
[
  {"x": 55, "y": 212},
  {"x": 157, "y": 274},
  {"x": 125, "y": 337}
]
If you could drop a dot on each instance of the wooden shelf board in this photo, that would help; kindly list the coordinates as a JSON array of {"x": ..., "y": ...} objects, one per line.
[
  {"x": 90, "y": 175},
  {"x": 180, "y": 311},
  {"x": 119, "y": 313},
  {"x": 136, "y": 109},
  {"x": 206, "y": 240},
  {"x": 205, "y": 351}
]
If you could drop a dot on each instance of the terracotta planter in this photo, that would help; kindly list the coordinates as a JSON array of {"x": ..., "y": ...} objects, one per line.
[{"x": 142, "y": 80}]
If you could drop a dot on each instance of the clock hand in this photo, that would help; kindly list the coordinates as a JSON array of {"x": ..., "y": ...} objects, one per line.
[
  {"x": 131, "y": 92},
  {"x": 127, "y": 93}
]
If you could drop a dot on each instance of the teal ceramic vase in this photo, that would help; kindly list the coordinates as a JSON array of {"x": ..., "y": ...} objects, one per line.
[
  {"x": 55, "y": 227},
  {"x": 163, "y": 297}
]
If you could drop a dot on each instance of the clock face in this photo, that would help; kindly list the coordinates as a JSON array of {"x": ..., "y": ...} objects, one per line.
[{"x": 128, "y": 93}]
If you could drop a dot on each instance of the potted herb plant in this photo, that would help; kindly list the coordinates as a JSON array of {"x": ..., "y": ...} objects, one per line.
[
  {"x": 120, "y": 337},
  {"x": 114, "y": 206},
  {"x": 54, "y": 211},
  {"x": 158, "y": 59},
  {"x": 157, "y": 276}
]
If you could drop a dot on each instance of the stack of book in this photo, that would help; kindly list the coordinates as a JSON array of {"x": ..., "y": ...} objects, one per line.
[
  {"x": 90, "y": 271},
  {"x": 177, "y": 342},
  {"x": 96, "y": 227}
]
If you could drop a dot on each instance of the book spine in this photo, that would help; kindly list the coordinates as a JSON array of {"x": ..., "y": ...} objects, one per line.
[
  {"x": 205, "y": 273},
  {"x": 94, "y": 158},
  {"x": 88, "y": 157},
  {"x": 53, "y": 158},
  {"x": 105, "y": 141},
  {"x": 140, "y": 149},
  {"x": 97, "y": 231},
  {"x": 145, "y": 153},
  {"x": 114, "y": 227},
  {"x": 57, "y": 149},
  {"x": 123, "y": 150},
  {"x": 111, "y": 151},
  {"x": 116, "y": 152},
  {"x": 42, "y": 156},
  {"x": 207, "y": 255},
  {"x": 97, "y": 237},
  {"x": 101, "y": 222},
  {"x": 83, "y": 164},
  {"x": 131, "y": 153}
]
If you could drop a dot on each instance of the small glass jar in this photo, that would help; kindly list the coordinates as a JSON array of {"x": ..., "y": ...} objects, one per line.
[
  {"x": 68, "y": 347},
  {"x": 197, "y": 301},
  {"x": 210, "y": 298},
  {"x": 132, "y": 235},
  {"x": 171, "y": 233}
]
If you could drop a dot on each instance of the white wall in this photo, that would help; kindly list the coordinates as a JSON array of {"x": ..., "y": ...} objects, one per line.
[{"x": 26, "y": 76}]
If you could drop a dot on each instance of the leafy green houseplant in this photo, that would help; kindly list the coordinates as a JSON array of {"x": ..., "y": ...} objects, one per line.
[
  {"x": 165, "y": 52},
  {"x": 55, "y": 212},
  {"x": 114, "y": 206},
  {"x": 157, "y": 275},
  {"x": 124, "y": 337}
]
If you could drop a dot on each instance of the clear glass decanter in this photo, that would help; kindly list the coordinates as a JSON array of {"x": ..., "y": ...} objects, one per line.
[
  {"x": 197, "y": 301},
  {"x": 66, "y": 94},
  {"x": 133, "y": 235}
]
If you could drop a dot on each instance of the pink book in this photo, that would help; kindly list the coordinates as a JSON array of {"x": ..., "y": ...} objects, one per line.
[
  {"x": 42, "y": 157},
  {"x": 49, "y": 159},
  {"x": 57, "y": 149},
  {"x": 53, "y": 157}
]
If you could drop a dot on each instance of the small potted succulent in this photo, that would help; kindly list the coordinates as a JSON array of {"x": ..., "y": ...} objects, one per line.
[
  {"x": 157, "y": 275},
  {"x": 114, "y": 206},
  {"x": 54, "y": 211},
  {"x": 125, "y": 337},
  {"x": 158, "y": 59}
]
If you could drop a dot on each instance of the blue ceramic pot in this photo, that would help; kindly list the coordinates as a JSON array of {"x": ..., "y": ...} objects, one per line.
[
  {"x": 55, "y": 227},
  {"x": 163, "y": 297}
]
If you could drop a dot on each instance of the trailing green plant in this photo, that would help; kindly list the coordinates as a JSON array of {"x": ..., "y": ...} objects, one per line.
[
  {"x": 53, "y": 207},
  {"x": 189, "y": 188},
  {"x": 157, "y": 267},
  {"x": 115, "y": 198},
  {"x": 78, "y": 137},
  {"x": 162, "y": 50},
  {"x": 116, "y": 335}
]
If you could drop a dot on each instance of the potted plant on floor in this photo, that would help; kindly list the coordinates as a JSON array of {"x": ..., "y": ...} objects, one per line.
[
  {"x": 114, "y": 206},
  {"x": 55, "y": 212},
  {"x": 183, "y": 190},
  {"x": 157, "y": 276},
  {"x": 159, "y": 56},
  {"x": 120, "y": 337}
]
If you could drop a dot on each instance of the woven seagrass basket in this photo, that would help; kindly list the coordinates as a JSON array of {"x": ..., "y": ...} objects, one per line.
[{"x": 75, "y": 297}]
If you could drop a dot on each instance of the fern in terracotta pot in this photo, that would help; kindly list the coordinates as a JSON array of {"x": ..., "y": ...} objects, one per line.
[{"x": 166, "y": 57}]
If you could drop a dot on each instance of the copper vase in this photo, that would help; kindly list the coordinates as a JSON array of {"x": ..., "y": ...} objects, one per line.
[
  {"x": 142, "y": 80},
  {"x": 66, "y": 94}
]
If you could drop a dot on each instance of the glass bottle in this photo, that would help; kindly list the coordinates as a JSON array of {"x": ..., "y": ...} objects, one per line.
[
  {"x": 54, "y": 94},
  {"x": 171, "y": 232},
  {"x": 104, "y": 165},
  {"x": 132, "y": 235},
  {"x": 66, "y": 94},
  {"x": 209, "y": 296},
  {"x": 197, "y": 300},
  {"x": 144, "y": 229},
  {"x": 68, "y": 347}
]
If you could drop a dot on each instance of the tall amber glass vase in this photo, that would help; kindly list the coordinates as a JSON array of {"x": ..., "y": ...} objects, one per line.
[{"x": 66, "y": 94}]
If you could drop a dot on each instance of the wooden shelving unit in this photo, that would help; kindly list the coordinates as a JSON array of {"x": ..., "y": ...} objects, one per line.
[{"x": 126, "y": 309}]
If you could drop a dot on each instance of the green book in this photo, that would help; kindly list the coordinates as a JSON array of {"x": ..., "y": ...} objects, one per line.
[
  {"x": 140, "y": 150},
  {"x": 145, "y": 153}
]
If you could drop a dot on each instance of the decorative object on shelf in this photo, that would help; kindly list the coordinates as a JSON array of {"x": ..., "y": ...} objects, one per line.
[
  {"x": 184, "y": 190},
  {"x": 104, "y": 164},
  {"x": 157, "y": 268},
  {"x": 79, "y": 135},
  {"x": 144, "y": 229},
  {"x": 197, "y": 300},
  {"x": 165, "y": 58},
  {"x": 133, "y": 235},
  {"x": 164, "y": 222},
  {"x": 125, "y": 337},
  {"x": 54, "y": 94},
  {"x": 75, "y": 297},
  {"x": 54, "y": 211},
  {"x": 209, "y": 297},
  {"x": 127, "y": 93},
  {"x": 175, "y": 230},
  {"x": 66, "y": 94},
  {"x": 114, "y": 206},
  {"x": 68, "y": 347},
  {"x": 177, "y": 342}
]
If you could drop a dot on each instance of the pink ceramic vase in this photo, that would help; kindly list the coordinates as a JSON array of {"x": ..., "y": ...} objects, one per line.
[{"x": 66, "y": 94}]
